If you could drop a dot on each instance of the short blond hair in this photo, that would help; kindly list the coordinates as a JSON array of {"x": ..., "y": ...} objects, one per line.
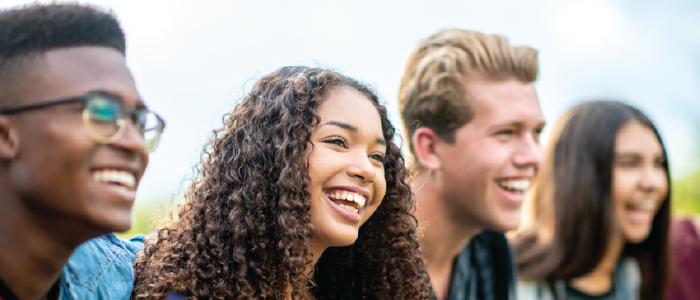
[{"x": 433, "y": 91}]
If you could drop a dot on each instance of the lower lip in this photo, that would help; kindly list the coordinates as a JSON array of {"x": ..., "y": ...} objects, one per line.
[
  {"x": 127, "y": 195},
  {"x": 639, "y": 217},
  {"x": 351, "y": 216},
  {"x": 511, "y": 197}
]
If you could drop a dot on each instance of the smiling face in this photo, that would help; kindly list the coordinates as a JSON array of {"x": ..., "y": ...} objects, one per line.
[
  {"x": 639, "y": 180},
  {"x": 345, "y": 167},
  {"x": 59, "y": 171},
  {"x": 495, "y": 156}
]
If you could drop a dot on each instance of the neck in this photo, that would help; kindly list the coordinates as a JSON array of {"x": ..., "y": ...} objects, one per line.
[
  {"x": 36, "y": 242},
  {"x": 600, "y": 280},
  {"x": 317, "y": 250},
  {"x": 32, "y": 253},
  {"x": 441, "y": 238}
]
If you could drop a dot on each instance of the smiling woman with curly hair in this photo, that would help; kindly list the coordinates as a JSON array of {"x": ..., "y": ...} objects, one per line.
[{"x": 305, "y": 165}]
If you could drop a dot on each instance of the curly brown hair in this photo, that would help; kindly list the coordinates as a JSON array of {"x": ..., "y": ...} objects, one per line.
[{"x": 245, "y": 230}]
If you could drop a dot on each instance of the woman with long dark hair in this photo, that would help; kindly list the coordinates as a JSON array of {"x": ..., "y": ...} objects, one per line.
[
  {"x": 300, "y": 195},
  {"x": 597, "y": 223}
]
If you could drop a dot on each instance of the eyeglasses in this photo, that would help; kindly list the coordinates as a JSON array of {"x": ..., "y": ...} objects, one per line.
[{"x": 105, "y": 118}]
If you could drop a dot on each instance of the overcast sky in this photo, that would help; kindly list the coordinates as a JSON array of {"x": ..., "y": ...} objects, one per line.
[{"x": 193, "y": 60}]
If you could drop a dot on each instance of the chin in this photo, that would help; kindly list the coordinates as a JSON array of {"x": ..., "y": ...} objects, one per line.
[
  {"x": 505, "y": 222},
  {"x": 341, "y": 238},
  {"x": 636, "y": 238},
  {"x": 116, "y": 222}
]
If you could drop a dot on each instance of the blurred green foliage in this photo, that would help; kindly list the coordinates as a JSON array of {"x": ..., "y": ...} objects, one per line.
[
  {"x": 145, "y": 213},
  {"x": 686, "y": 194}
]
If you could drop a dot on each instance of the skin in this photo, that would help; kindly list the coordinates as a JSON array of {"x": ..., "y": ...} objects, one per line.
[
  {"x": 348, "y": 147},
  {"x": 637, "y": 174},
  {"x": 456, "y": 188},
  {"x": 46, "y": 161}
]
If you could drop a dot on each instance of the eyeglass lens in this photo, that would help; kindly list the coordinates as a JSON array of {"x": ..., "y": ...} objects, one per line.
[{"x": 106, "y": 120}]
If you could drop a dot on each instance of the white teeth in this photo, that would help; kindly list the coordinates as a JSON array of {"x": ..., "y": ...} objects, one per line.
[
  {"x": 647, "y": 205},
  {"x": 125, "y": 179},
  {"x": 360, "y": 200},
  {"x": 357, "y": 198},
  {"x": 349, "y": 208},
  {"x": 518, "y": 185}
]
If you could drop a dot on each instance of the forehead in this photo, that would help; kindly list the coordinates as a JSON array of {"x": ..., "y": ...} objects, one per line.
[
  {"x": 509, "y": 100},
  {"x": 635, "y": 137},
  {"x": 352, "y": 107},
  {"x": 69, "y": 72}
]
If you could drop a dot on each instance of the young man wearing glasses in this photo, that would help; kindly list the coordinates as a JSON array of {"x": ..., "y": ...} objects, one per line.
[{"x": 74, "y": 142}]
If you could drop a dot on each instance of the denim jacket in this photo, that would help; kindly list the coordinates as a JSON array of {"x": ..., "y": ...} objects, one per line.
[{"x": 100, "y": 268}]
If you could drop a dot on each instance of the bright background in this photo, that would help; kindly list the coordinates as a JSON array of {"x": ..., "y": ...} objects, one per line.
[{"x": 193, "y": 60}]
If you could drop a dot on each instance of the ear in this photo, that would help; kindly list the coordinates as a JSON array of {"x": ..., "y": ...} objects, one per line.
[
  {"x": 424, "y": 140},
  {"x": 9, "y": 141}
]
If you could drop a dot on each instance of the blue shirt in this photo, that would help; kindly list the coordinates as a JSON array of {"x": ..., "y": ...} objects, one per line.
[{"x": 101, "y": 268}]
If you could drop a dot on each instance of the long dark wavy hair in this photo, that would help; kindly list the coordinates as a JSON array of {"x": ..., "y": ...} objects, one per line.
[
  {"x": 567, "y": 230},
  {"x": 244, "y": 230}
]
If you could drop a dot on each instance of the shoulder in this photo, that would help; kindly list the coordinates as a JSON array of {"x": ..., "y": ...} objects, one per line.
[
  {"x": 629, "y": 276},
  {"x": 531, "y": 290},
  {"x": 176, "y": 296},
  {"x": 100, "y": 268},
  {"x": 493, "y": 252}
]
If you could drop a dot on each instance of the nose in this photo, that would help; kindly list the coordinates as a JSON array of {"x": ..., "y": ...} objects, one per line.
[
  {"x": 529, "y": 153},
  {"x": 653, "y": 178},
  {"x": 132, "y": 140},
  {"x": 362, "y": 169}
]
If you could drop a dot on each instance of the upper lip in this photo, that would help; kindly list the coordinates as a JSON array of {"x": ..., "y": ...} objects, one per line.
[
  {"x": 355, "y": 189},
  {"x": 515, "y": 178}
]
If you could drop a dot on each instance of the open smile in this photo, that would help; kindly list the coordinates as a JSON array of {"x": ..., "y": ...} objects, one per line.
[
  {"x": 119, "y": 182},
  {"x": 640, "y": 212},
  {"x": 349, "y": 204},
  {"x": 514, "y": 189}
]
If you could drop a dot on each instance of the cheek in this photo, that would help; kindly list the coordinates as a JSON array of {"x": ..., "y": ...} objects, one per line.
[
  {"x": 663, "y": 184},
  {"x": 487, "y": 158},
  {"x": 623, "y": 186},
  {"x": 378, "y": 194},
  {"x": 379, "y": 187}
]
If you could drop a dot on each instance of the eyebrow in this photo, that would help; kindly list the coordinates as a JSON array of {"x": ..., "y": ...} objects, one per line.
[
  {"x": 635, "y": 155},
  {"x": 627, "y": 154},
  {"x": 521, "y": 124},
  {"x": 345, "y": 126},
  {"x": 352, "y": 129}
]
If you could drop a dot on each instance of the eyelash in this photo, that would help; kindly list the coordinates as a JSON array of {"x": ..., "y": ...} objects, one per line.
[
  {"x": 505, "y": 131},
  {"x": 380, "y": 157},
  {"x": 342, "y": 143},
  {"x": 337, "y": 141}
]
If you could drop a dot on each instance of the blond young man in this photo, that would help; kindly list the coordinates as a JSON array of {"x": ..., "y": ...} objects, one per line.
[{"x": 473, "y": 120}]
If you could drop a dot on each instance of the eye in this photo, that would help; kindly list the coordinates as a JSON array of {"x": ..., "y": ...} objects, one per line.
[
  {"x": 378, "y": 157},
  {"x": 659, "y": 163},
  {"x": 505, "y": 132},
  {"x": 627, "y": 164},
  {"x": 537, "y": 132},
  {"x": 337, "y": 141}
]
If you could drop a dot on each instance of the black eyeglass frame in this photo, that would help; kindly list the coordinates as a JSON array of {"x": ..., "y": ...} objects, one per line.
[{"x": 129, "y": 113}]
